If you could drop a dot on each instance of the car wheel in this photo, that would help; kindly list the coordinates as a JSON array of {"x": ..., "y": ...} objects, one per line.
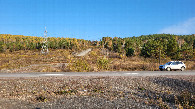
[
  {"x": 168, "y": 69},
  {"x": 182, "y": 68}
]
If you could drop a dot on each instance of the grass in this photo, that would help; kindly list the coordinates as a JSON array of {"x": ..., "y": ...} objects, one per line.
[
  {"x": 41, "y": 98},
  {"x": 62, "y": 60}
]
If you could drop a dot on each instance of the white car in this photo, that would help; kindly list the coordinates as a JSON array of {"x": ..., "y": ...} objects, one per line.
[{"x": 173, "y": 65}]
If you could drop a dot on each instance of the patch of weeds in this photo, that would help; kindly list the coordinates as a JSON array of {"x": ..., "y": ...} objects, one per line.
[
  {"x": 141, "y": 88},
  {"x": 186, "y": 100},
  {"x": 79, "y": 66},
  {"x": 103, "y": 63},
  {"x": 97, "y": 90},
  {"x": 162, "y": 105},
  {"x": 41, "y": 98},
  {"x": 93, "y": 54},
  {"x": 62, "y": 92},
  {"x": 34, "y": 92}
]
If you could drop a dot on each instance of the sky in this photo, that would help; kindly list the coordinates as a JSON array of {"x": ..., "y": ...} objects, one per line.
[{"x": 94, "y": 19}]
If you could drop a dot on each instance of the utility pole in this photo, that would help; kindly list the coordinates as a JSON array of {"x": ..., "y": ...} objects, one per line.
[
  {"x": 44, "y": 48},
  {"x": 159, "y": 56},
  {"x": 160, "y": 52}
]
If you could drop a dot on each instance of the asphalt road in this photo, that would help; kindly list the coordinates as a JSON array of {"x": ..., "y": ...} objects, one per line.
[{"x": 127, "y": 73}]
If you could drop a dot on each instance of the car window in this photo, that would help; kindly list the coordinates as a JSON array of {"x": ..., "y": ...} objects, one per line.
[
  {"x": 174, "y": 63},
  {"x": 169, "y": 63},
  {"x": 178, "y": 63}
]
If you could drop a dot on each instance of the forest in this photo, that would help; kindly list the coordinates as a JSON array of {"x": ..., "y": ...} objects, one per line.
[{"x": 178, "y": 47}]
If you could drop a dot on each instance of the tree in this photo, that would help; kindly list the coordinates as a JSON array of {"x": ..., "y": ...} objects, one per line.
[
  {"x": 194, "y": 44},
  {"x": 129, "y": 43},
  {"x": 117, "y": 44},
  {"x": 154, "y": 47},
  {"x": 129, "y": 52},
  {"x": 187, "y": 51},
  {"x": 172, "y": 48},
  {"x": 38, "y": 45},
  {"x": 107, "y": 43},
  {"x": 194, "y": 49},
  {"x": 1, "y": 46}
]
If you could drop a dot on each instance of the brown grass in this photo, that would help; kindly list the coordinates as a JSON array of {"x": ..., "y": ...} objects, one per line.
[{"x": 64, "y": 61}]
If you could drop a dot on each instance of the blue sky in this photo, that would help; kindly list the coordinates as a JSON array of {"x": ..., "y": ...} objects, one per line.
[{"x": 94, "y": 19}]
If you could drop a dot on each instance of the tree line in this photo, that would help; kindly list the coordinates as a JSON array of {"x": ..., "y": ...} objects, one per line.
[
  {"x": 20, "y": 42},
  {"x": 153, "y": 46},
  {"x": 148, "y": 46}
]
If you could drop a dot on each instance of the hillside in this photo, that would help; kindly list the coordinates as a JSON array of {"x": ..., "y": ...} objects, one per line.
[{"x": 22, "y": 53}]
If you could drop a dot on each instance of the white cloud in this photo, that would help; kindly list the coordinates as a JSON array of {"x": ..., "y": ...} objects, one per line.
[{"x": 184, "y": 28}]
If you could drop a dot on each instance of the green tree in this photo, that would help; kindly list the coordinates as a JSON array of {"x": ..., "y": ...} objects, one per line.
[
  {"x": 38, "y": 45},
  {"x": 154, "y": 47},
  {"x": 172, "y": 48},
  {"x": 117, "y": 44},
  {"x": 1, "y": 46},
  {"x": 129, "y": 52},
  {"x": 107, "y": 43},
  {"x": 187, "y": 51}
]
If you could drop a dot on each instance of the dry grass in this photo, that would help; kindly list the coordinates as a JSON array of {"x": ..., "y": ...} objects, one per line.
[
  {"x": 64, "y": 61},
  {"x": 20, "y": 59}
]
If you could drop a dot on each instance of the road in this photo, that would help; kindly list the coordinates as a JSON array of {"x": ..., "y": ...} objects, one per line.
[{"x": 126, "y": 73}]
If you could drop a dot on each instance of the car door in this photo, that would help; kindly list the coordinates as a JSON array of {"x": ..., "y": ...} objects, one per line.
[
  {"x": 174, "y": 65},
  {"x": 179, "y": 64}
]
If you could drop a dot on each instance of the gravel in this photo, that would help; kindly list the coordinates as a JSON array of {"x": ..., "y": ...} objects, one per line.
[{"x": 97, "y": 92}]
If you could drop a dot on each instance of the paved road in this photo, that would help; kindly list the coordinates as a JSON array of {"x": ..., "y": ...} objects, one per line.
[{"x": 127, "y": 73}]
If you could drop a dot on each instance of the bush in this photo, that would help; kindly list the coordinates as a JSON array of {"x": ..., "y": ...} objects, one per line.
[
  {"x": 103, "y": 63},
  {"x": 79, "y": 66},
  {"x": 41, "y": 98},
  {"x": 130, "y": 52}
]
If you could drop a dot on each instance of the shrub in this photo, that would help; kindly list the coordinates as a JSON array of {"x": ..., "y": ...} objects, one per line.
[
  {"x": 79, "y": 66},
  {"x": 93, "y": 54},
  {"x": 41, "y": 98},
  {"x": 103, "y": 63},
  {"x": 130, "y": 52}
]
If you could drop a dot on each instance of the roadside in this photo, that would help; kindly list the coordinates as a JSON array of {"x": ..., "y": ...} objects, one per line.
[
  {"x": 89, "y": 60},
  {"x": 98, "y": 92}
]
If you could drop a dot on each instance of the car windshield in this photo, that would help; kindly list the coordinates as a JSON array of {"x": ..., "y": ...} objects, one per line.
[
  {"x": 179, "y": 62},
  {"x": 168, "y": 63}
]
